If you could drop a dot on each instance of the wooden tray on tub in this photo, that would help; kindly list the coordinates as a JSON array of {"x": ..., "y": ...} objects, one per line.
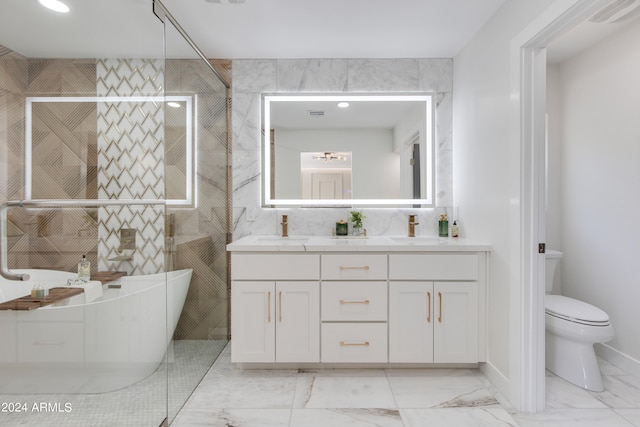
[{"x": 31, "y": 303}]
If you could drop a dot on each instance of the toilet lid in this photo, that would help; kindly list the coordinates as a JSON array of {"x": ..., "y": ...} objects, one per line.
[{"x": 574, "y": 310}]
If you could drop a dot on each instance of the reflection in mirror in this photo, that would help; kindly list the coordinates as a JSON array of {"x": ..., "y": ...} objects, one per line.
[
  {"x": 371, "y": 150},
  {"x": 324, "y": 175}
]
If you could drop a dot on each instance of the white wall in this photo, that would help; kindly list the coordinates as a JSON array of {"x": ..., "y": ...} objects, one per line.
[
  {"x": 486, "y": 169},
  {"x": 376, "y": 168},
  {"x": 598, "y": 138}
]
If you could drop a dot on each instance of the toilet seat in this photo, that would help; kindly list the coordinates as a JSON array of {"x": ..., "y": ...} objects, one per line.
[{"x": 575, "y": 311}]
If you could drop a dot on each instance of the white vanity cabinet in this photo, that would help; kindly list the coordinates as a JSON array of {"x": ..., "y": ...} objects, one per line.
[
  {"x": 434, "y": 321},
  {"x": 347, "y": 302},
  {"x": 276, "y": 319}
]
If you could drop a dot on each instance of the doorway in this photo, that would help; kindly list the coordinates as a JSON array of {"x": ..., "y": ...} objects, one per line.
[{"x": 529, "y": 81}]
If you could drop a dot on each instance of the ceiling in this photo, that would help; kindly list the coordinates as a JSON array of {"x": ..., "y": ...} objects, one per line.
[
  {"x": 254, "y": 29},
  {"x": 265, "y": 28}
]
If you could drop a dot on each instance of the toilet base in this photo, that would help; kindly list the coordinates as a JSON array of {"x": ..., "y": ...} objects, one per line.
[{"x": 573, "y": 361}]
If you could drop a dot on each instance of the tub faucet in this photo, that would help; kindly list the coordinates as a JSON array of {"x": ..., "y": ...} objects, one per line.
[
  {"x": 412, "y": 225},
  {"x": 285, "y": 226}
]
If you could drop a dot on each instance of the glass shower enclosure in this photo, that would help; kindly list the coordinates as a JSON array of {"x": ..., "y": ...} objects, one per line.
[{"x": 113, "y": 146}]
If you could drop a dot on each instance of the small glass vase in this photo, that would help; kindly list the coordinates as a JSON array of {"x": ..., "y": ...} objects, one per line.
[
  {"x": 443, "y": 228},
  {"x": 357, "y": 231}
]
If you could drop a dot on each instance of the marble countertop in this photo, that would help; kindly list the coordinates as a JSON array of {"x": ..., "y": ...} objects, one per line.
[{"x": 272, "y": 243}]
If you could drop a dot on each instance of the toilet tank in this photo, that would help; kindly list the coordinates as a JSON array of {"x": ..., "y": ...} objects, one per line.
[{"x": 552, "y": 258}]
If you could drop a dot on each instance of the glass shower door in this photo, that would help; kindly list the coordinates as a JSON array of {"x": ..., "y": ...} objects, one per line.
[{"x": 82, "y": 142}]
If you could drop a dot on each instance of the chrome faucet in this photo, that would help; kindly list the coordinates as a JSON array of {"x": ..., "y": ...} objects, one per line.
[
  {"x": 412, "y": 225},
  {"x": 285, "y": 226}
]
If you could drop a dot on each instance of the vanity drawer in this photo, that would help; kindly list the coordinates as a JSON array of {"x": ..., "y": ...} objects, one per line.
[
  {"x": 354, "y": 342},
  {"x": 359, "y": 301},
  {"x": 354, "y": 267},
  {"x": 459, "y": 266},
  {"x": 267, "y": 266}
]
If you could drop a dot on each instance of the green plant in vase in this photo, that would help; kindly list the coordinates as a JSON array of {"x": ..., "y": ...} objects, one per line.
[{"x": 356, "y": 219}]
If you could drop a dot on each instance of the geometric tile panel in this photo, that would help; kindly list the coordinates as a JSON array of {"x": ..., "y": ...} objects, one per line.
[
  {"x": 204, "y": 230},
  {"x": 131, "y": 162}
]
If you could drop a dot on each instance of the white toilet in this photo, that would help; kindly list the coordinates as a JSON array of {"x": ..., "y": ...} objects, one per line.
[{"x": 572, "y": 327}]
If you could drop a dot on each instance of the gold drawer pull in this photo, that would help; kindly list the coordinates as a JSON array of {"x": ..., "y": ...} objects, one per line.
[
  {"x": 440, "y": 299},
  {"x": 361, "y": 344},
  {"x": 354, "y": 302},
  {"x": 280, "y": 306},
  {"x": 348, "y": 267},
  {"x": 428, "y": 307}
]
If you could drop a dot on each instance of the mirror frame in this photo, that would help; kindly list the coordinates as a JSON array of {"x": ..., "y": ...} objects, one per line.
[{"x": 427, "y": 133}]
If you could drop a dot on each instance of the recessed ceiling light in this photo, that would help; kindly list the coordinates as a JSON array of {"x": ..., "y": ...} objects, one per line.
[
  {"x": 55, "y": 5},
  {"x": 173, "y": 104},
  {"x": 343, "y": 104}
]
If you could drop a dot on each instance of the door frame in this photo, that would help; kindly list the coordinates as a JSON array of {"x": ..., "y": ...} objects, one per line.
[{"x": 528, "y": 90}]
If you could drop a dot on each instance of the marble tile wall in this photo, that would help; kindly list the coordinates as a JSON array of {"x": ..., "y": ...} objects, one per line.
[{"x": 252, "y": 77}]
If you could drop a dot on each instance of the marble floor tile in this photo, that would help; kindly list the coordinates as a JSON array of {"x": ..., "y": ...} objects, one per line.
[
  {"x": 621, "y": 391},
  {"x": 343, "y": 392},
  {"x": 467, "y": 417},
  {"x": 607, "y": 368},
  {"x": 572, "y": 418},
  {"x": 631, "y": 415},
  {"x": 310, "y": 397},
  {"x": 244, "y": 392},
  {"x": 440, "y": 392},
  {"x": 234, "y": 417},
  {"x": 432, "y": 372},
  {"x": 321, "y": 372},
  {"x": 346, "y": 417},
  {"x": 562, "y": 394}
]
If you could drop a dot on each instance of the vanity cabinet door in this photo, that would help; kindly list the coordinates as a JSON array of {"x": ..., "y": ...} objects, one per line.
[
  {"x": 253, "y": 321},
  {"x": 455, "y": 337},
  {"x": 433, "y": 322},
  {"x": 411, "y": 319},
  {"x": 297, "y": 322},
  {"x": 275, "y": 321}
]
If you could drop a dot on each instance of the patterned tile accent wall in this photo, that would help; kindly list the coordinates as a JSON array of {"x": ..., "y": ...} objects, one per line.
[
  {"x": 13, "y": 85},
  {"x": 131, "y": 162},
  {"x": 123, "y": 155},
  {"x": 201, "y": 234}
]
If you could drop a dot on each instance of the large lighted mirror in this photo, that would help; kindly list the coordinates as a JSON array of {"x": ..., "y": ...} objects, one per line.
[
  {"x": 348, "y": 150},
  {"x": 62, "y": 154}
]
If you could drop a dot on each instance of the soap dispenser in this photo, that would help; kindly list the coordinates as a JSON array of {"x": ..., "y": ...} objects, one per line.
[{"x": 84, "y": 269}]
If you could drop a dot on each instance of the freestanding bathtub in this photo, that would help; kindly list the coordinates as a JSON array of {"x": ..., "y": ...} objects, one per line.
[{"x": 112, "y": 342}]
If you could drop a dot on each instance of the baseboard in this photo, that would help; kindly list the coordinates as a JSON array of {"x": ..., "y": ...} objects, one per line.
[
  {"x": 618, "y": 358},
  {"x": 498, "y": 380}
]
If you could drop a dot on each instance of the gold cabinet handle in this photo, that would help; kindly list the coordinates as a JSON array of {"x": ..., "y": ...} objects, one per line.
[
  {"x": 428, "y": 307},
  {"x": 440, "y": 299},
  {"x": 354, "y": 302},
  {"x": 354, "y": 267},
  {"x": 280, "y": 306},
  {"x": 361, "y": 344},
  {"x": 269, "y": 307}
]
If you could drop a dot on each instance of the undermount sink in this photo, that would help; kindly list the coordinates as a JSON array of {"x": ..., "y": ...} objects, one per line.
[
  {"x": 417, "y": 239},
  {"x": 291, "y": 240}
]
